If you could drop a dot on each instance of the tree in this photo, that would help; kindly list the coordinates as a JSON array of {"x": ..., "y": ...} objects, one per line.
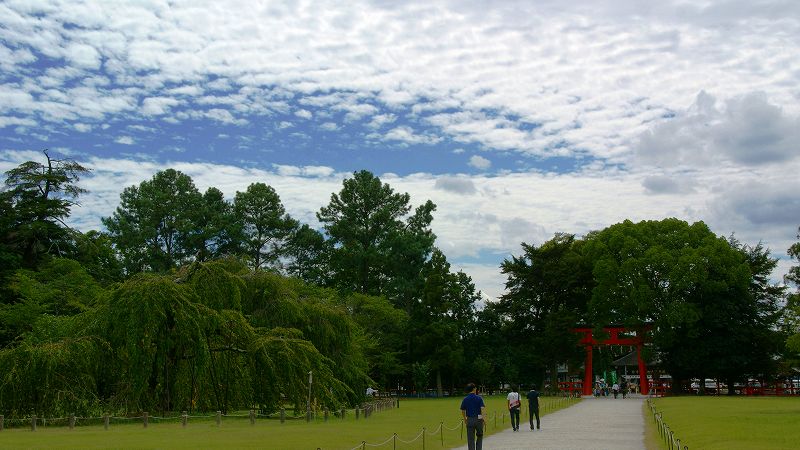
[
  {"x": 442, "y": 319},
  {"x": 708, "y": 298},
  {"x": 266, "y": 226},
  {"x": 372, "y": 242},
  {"x": 41, "y": 197},
  {"x": 156, "y": 224},
  {"x": 793, "y": 300},
  {"x": 219, "y": 232},
  {"x": 547, "y": 295},
  {"x": 307, "y": 254}
]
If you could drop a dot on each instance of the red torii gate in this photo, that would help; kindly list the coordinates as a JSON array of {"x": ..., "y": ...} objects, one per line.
[{"x": 590, "y": 342}]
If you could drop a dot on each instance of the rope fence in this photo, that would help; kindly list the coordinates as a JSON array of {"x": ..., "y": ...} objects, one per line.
[
  {"x": 34, "y": 422},
  {"x": 664, "y": 432}
]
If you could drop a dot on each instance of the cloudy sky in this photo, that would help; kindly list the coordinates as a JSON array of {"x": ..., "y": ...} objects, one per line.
[{"x": 519, "y": 119}]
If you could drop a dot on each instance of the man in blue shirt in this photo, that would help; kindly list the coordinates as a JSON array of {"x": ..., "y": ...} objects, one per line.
[{"x": 473, "y": 410}]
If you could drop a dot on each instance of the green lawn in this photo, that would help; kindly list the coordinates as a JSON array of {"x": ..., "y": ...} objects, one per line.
[
  {"x": 407, "y": 422},
  {"x": 733, "y": 423}
]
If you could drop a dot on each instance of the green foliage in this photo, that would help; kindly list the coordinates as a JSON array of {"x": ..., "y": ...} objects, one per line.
[
  {"x": 52, "y": 378},
  {"x": 265, "y": 224},
  {"x": 372, "y": 243},
  {"x": 155, "y": 226},
  {"x": 215, "y": 286},
  {"x": 40, "y": 197},
  {"x": 60, "y": 287}
]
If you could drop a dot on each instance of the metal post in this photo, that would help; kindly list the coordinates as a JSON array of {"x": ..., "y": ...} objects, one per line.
[
  {"x": 252, "y": 417},
  {"x": 394, "y": 441},
  {"x": 144, "y": 419},
  {"x": 33, "y": 423},
  {"x": 423, "y": 438},
  {"x": 184, "y": 418},
  {"x": 72, "y": 421},
  {"x": 219, "y": 418},
  {"x": 343, "y": 412},
  {"x": 283, "y": 414},
  {"x": 441, "y": 432},
  {"x": 105, "y": 421}
]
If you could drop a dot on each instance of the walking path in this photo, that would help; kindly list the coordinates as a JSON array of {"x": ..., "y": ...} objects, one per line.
[{"x": 593, "y": 424}]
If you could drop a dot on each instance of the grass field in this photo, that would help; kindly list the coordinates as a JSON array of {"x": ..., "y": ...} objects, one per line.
[
  {"x": 733, "y": 423},
  {"x": 407, "y": 421}
]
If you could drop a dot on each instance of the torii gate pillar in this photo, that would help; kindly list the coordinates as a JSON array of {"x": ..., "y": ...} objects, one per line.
[{"x": 589, "y": 342}]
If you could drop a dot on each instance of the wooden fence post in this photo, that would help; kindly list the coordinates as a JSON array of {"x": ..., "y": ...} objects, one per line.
[
  {"x": 145, "y": 419},
  {"x": 184, "y": 418},
  {"x": 71, "y": 421},
  {"x": 105, "y": 421},
  {"x": 219, "y": 418},
  {"x": 283, "y": 414},
  {"x": 252, "y": 417}
]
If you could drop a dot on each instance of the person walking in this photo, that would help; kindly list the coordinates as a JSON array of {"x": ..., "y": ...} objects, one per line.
[
  {"x": 473, "y": 410},
  {"x": 624, "y": 387},
  {"x": 533, "y": 406},
  {"x": 615, "y": 389},
  {"x": 514, "y": 403}
]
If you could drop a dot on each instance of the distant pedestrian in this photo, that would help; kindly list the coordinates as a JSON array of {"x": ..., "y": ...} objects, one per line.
[
  {"x": 624, "y": 387},
  {"x": 514, "y": 403},
  {"x": 533, "y": 406},
  {"x": 473, "y": 410},
  {"x": 615, "y": 388}
]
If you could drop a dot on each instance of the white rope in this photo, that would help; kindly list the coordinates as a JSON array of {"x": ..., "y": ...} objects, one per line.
[
  {"x": 381, "y": 444},
  {"x": 417, "y": 437},
  {"x": 458, "y": 425}
]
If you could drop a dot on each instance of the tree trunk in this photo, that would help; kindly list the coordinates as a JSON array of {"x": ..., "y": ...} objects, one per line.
[{"x": 439, "y": 383}]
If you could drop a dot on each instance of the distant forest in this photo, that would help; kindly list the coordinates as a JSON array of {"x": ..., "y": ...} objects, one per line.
[{"x": 190, "y": 301}]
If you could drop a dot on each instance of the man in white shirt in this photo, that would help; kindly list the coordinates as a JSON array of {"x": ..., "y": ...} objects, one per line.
[{"x": 513, "y": 401}]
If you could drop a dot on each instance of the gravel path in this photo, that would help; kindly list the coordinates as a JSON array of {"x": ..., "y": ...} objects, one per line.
[{"x": 593, "y": 424}]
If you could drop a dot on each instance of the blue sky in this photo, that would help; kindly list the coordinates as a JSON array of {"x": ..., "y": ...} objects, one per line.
[{"x": 518, "y": 119}]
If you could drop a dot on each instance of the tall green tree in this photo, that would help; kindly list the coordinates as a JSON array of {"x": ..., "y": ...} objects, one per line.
[
  {"x": 155, "y": 226},
  {"x": 219, "y": 233},
  {"x": 266, "y": 227},
  {"x": 374, "y": 238},
  {"x": 547, "y": 292},
  {"x": 711, "y": 307},
  {"x": 41, "y": 196},
  {"x": 442, "y": 319},
  {"x": 307, "y": 256}
]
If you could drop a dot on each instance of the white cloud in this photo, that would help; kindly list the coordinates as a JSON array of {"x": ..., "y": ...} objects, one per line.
[
  {"x": 406, "y": 135},
  {"x": 125, "y": 140},
  {"x": 156, "y": 106},
  {"x": 329, "y": 126},
  {"x": 479, "y": 162},
  {"x": 82, "y": 127},
  {"x": 303, "y": 114}
]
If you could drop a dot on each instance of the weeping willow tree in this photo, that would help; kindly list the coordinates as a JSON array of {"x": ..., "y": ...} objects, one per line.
[
  {"x": 274, "y": 301},
  {"x": 215, "y": 338}
]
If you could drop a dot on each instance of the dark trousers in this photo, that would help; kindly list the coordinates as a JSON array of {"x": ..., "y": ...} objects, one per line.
[
  {"x": 474, "y": 433},
  {"x": 534, "y": 412},
  {"x": 514, "y": 413}
]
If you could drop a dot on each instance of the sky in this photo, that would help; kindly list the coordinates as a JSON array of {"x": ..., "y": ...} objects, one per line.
[{"x": 518, "y": 119}]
